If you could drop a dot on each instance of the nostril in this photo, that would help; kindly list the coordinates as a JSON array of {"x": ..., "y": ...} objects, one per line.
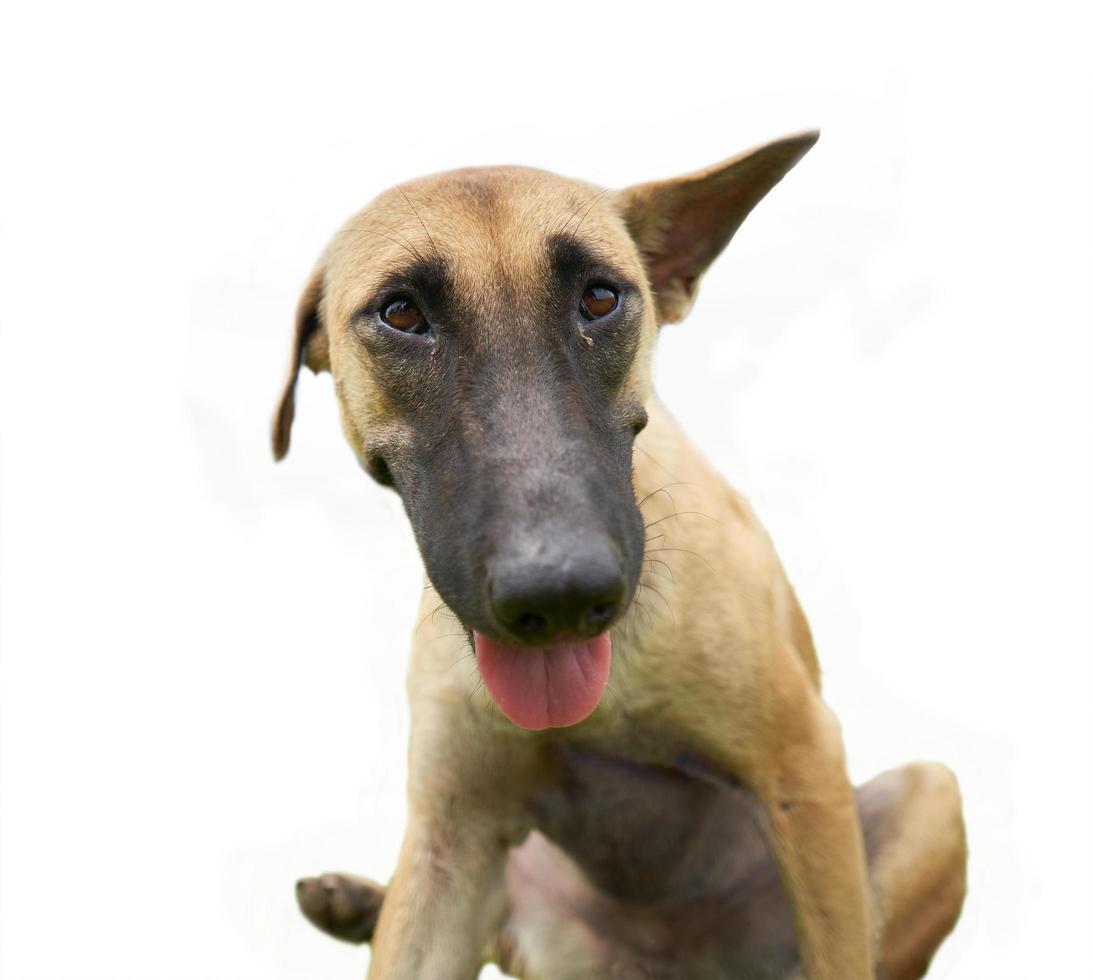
[
  {"x": 530, "y": 623},
  {"x": 564, "y": 591},
  {"x": 598, "y": 617}
]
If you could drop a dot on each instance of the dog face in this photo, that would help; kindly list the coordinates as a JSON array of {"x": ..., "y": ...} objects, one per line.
[{"x": 490, "y": 334}]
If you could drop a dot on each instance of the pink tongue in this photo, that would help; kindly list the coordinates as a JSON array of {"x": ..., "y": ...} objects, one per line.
[{"x": 547, "y": 688}]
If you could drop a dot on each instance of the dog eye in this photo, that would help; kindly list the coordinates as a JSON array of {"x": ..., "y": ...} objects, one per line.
[
  {"x": 403, "y": 315},
  {"x": 598, "y": 301}
]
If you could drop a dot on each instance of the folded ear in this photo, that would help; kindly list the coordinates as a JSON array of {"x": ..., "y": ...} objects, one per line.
[
  {"x": 310, "y": 346},
  {"x": 682, "y": 225}
]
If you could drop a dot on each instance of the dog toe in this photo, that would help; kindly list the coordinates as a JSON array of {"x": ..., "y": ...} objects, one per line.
[{"x": 343, "y": 906}]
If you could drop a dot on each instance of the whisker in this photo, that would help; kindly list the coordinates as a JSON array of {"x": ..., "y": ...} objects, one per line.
[
  {"x": 584, "y": 214},
  {"x": 655, "y": 463},
  {"x": 684, "y": 551},
  {"x": 432, "y": 614},
  {"x": 447, "y": 612},
  {"x": 667, "y": 606},
  {"x": 682, "y": 513},
  {"x": 641, "y": 608},
  {"x": 658, "y": 561},
  {"x": 664, "y": 489},
  {"x": 404, "y": 239},
  {"x": 588, "y": 210},
  {"x": 405, "y": 246},
  {"x": 459, "y": 660},
  {"x": 418, "y": 216},
  {"x": 428, "y": 615},
  {"x": 615, "y": 694}
]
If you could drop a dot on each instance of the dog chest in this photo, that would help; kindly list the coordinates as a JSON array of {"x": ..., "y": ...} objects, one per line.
[{"x": 649, "y": 833}]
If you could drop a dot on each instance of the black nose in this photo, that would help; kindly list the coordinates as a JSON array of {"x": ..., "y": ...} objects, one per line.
[{"x": 558, "y": 591}]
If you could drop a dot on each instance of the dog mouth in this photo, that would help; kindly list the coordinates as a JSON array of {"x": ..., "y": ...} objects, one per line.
[{"x": 545, "y": 687}]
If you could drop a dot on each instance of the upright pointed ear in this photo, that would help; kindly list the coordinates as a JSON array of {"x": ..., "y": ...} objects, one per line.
[
  {"x": 310, "y": 346},
  {"x": 682, "y": 225}
]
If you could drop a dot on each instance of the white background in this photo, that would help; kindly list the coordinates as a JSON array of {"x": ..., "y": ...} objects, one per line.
[{"x": 202, "y": 653}]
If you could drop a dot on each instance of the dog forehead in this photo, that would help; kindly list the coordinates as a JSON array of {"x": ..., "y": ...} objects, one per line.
[
  {"x": 489, "y": 226},
  {"x": 514, "y": 205}
]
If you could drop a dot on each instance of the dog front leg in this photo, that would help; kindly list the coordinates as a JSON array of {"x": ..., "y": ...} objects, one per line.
[
  {"x": 468, "y": 790},
  {"x": 816, "y": 838},
  {"x": 444, "y": 902}
]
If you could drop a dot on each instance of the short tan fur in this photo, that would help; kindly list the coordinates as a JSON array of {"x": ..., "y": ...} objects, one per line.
[{"x": 714, "y": 689}]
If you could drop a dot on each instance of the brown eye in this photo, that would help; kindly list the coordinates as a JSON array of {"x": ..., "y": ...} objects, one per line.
[
  {"x": 598, "y": 301},
  {"x": 403, "y": 315}
]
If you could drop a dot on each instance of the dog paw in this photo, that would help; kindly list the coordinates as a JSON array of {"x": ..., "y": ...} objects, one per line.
[{"x": 342, "y": 906}]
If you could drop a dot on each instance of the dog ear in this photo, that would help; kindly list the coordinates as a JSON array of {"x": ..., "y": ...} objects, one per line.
[
  {"x": 310, "y": 346},
  {"x": 682, "y": 225}
]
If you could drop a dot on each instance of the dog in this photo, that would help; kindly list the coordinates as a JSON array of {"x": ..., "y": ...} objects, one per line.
[{"x": 620, "y": 762}]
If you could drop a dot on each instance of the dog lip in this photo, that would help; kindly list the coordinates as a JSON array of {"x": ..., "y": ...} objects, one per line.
[
  {"x": 498, "y": 634},
  {"x": 509, "y": 640},
  {"x": 469, "y": 625}
]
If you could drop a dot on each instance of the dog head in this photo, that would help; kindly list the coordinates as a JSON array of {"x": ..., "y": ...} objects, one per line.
[{"x": 490, "y": 332}]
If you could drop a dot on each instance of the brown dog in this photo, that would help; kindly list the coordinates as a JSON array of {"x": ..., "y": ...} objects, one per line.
[{"x": 649, "y": 784}]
